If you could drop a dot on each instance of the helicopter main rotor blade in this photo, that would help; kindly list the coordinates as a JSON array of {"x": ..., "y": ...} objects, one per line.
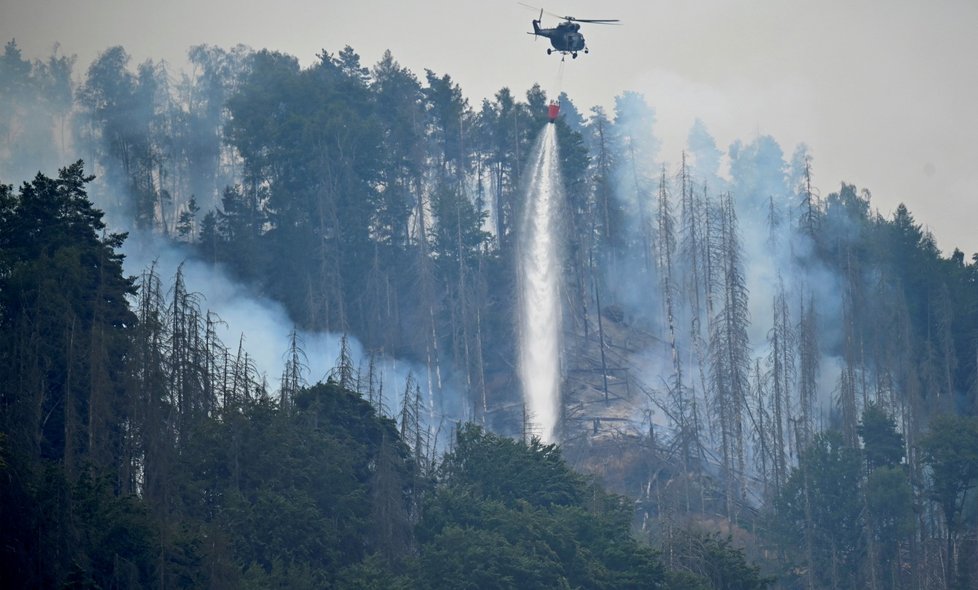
[
  {"x": 594, "y": 21},
  {"x": 542, "y": 11}
]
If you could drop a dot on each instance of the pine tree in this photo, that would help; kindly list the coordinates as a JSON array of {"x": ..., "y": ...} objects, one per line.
[
  {"x": 64, "y": 403},
  {"x": 637, "y": 148},
  {"x": 65, "y": 320},
  {"x": 950, "y": 449},
  {"x": 609, "y": 216}
]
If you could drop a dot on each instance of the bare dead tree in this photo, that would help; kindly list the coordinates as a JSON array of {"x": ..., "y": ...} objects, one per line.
[
  {"x": 781, "y": 369},
  {"x": 682, "y": 405},
  {"x": 810, "y": 205},
  {"x": 730, "y": 352},
  {"x": 296, "y": 363},
  {"x": 808, "y": 357}
]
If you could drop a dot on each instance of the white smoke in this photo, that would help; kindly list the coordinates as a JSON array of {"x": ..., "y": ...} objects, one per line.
[{"x": 263, "y": 324}]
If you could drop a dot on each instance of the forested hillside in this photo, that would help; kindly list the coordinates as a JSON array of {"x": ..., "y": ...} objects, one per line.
[
  {"x": 135, "y": 454},
  {"x": 753, "y": 365}
]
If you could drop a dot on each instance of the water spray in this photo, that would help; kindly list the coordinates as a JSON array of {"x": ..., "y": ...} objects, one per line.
[{"x": 539, "y": 288}]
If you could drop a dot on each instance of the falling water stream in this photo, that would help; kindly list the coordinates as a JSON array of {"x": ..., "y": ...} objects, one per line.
[{"x": 539, "y": 274}]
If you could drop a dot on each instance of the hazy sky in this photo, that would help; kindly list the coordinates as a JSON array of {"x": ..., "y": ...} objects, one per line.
[{"x": 884, "y": 93}]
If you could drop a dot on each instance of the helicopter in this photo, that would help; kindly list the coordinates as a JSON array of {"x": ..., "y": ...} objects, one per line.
[{"x": 566, "y": 37}]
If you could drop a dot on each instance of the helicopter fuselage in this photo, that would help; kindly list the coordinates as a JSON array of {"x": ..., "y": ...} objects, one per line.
[{"x": 565, "y": 37}]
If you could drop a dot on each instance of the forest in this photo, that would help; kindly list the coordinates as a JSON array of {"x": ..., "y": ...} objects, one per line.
[{"x": 761, "y": 386}]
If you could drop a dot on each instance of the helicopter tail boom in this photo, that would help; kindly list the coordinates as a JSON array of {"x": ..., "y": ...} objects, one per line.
[{"x": 536, "y": 23}]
